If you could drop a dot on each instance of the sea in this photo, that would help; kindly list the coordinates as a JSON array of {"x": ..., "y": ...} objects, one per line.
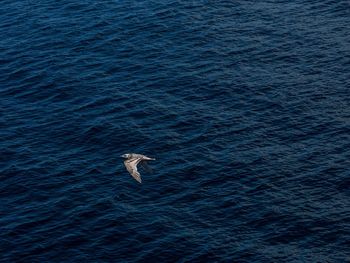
[{"x": 244, "y": 104}]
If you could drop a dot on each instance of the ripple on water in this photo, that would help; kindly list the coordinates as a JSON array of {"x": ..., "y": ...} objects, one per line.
[{"x": 243, "y": 105}]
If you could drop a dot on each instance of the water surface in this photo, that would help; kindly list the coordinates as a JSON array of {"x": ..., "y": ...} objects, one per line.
[{"x": 244, "y": 104}]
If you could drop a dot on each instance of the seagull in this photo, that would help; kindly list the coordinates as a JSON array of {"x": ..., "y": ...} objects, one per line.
[{"x": 131, "y": 162}]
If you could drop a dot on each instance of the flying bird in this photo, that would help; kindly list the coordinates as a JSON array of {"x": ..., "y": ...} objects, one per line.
[{"x": 131, "y": 162}]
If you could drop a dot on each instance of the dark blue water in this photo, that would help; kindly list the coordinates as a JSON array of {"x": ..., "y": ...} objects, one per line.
[{"x": 245, "y": 105}]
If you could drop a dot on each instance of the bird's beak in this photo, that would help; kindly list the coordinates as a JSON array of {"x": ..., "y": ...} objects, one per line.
[{"x": 122, "y": 156}]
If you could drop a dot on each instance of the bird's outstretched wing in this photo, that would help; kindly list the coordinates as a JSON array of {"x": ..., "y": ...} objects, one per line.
[
  {"x": 145, "y": 166},
  {"x": 131, "y": 166}
]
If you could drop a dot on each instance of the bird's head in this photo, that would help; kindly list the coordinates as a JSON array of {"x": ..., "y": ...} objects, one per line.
[{"x": 126, "y": 156}]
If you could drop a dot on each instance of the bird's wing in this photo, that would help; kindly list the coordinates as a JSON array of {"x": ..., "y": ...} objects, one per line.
[
  {"x": 145, "y": 166},
  {"x": 131, "y": 166}
]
